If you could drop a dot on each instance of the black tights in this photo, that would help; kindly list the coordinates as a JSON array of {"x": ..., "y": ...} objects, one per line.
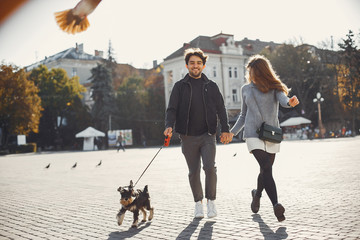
[{"x": 265, "y": 178}]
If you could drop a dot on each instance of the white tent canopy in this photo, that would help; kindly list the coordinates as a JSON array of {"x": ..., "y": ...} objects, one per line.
[
  {"x": 90, "y": 132},
  {"x": 294, "y": 121},
  {"x": 88, "y": 135}
]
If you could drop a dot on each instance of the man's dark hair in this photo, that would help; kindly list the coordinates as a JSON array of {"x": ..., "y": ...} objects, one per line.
[{"x": 197, "y": 52}]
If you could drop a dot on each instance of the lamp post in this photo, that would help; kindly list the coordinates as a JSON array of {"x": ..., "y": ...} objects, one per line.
[{"x": 319, "y": 100}]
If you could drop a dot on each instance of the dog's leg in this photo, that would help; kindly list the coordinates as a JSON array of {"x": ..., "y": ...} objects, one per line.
[
  {"x": 149, "y": 208},
  {"x": 136, "y": 218},
  {"x": 144, "y": 214},
  {"x": 120, "y": 216}
]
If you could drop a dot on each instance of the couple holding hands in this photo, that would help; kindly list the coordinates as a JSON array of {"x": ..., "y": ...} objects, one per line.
[{"x": 196, "y": 104}]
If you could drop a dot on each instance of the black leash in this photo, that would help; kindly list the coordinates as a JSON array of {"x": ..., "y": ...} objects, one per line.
[{"x": 166, "y": 143}]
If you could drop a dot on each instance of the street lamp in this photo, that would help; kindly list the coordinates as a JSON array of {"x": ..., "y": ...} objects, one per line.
[{"x": 319, "y": 100}]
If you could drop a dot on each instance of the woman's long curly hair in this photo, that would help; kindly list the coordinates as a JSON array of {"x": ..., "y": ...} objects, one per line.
[{"x": 262, "y": 74}]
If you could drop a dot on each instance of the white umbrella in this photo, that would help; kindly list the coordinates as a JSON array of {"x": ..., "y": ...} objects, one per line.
[
  {"x": 90, "y": 132},
  {"x": 294, "y": 121}
]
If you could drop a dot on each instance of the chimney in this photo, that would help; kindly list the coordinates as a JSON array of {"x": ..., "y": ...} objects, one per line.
[
  {"x": 81, "y": 48},
  {"x": 99, "y": 53},
  {"x": 155, "y": 63}
]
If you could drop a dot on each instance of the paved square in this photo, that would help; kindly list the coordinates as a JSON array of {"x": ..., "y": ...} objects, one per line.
[{"x": 318, "y": 183}]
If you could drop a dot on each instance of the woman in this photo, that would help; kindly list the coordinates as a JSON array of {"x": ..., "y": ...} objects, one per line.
[{"x": 260, "y": 103}]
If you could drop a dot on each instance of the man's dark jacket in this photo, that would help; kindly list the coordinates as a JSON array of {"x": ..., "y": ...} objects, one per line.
[{"x": 180, "y": 101}]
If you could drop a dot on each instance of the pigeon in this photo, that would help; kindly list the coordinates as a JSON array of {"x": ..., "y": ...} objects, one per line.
[
  {"x": 74, "y": 166},
  {"x": 75, "y": 20},
  {"x": 234, "y": 155},
  {"x": 48, "y": 166},
  {"x": 99, "y": 164}
]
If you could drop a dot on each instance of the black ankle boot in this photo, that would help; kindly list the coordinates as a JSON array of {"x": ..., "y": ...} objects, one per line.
[
  {"x": 255, "y": 204},
  {"x": 279, "y": 212}
]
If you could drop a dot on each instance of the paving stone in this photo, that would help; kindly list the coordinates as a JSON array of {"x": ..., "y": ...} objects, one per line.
[{"x": 317, "y": 182}]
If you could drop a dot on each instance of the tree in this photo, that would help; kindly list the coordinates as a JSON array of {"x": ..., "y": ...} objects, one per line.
[
  {"x": 60, "y": 95},
  {"x": 103, "y": 96},
  {"x": 20, "y": 105},
  {"x": 131, "y": 99},
  {"x": 141, "y": 107},
  {"x": 303, "y": 71},
  {"x": 349, "y": 77}
]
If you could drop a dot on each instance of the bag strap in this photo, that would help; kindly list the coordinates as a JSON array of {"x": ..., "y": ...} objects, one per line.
[{"x": 257, "y": 104}]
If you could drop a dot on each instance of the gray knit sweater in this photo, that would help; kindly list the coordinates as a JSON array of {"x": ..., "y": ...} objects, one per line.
[{"x": 250, "y": 117}]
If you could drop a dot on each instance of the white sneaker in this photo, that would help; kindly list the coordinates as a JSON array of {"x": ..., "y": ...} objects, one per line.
[
  {"x": 211, "y": 209},
  {"x": 199, "y": 212}
]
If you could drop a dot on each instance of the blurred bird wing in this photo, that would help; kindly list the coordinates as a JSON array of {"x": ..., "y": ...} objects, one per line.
[{"x": 75, "y": 20}]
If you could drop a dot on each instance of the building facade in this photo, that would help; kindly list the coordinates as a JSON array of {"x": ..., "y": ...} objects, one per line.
[
  {"x": 225, "y": 66},
  {"x": 76, "y": 63}
]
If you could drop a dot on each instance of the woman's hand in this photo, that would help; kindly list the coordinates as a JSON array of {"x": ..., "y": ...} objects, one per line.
[{"x": 293, "y": 101}]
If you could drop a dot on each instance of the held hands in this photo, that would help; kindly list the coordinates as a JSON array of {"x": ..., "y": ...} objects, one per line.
[
  {"x": 226, "y": 137},
  {"x": 293, "y": 101}
]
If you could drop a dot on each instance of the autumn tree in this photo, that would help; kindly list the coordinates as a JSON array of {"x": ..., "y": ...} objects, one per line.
[
  {"x": 20, "y": 105},
  {"x": 349, "y": 77},
  {"x": 60, "y": 97}
]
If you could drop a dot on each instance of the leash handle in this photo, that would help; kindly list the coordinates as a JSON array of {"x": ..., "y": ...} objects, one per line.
[
  {"x": 166, "y": 143},
  {"x": 167, "y": 140}
]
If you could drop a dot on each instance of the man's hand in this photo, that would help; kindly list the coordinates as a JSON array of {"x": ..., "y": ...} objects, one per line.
[
  {"x": 226, "y": 137},
  {"x": 168, "y": 132}
]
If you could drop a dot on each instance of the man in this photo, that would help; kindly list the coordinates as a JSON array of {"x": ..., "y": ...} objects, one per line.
[
  {"x": 119, "y": 143},
  {"x": 195, "y": 104}
]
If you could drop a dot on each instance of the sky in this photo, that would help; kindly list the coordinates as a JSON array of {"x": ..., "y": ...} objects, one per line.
[{"x": 141, "y": 31}]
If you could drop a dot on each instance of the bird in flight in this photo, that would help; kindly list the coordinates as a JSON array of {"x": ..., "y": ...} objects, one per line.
[
  {"x": 48, "y": 166},
  {"x": 75, "y": 20}
]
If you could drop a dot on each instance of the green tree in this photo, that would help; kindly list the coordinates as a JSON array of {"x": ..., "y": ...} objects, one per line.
[
  {"x": 131, "y": 99},
  {"x": 20, "y": 105},
  {"x": 302, "y": 70},
  {"x": 103, "y": 96},
  {"x": 60, "y": 96},
  {"x": 349, "y": 77},
  {"x": 155, "y": 113},
  {"x": 141, "y": 107}
]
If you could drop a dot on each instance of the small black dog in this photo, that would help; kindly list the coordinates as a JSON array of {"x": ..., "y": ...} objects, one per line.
[{"x": 134, "y": 201}]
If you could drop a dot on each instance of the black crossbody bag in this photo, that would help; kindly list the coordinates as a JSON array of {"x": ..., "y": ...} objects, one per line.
[{"x": 267, "y": 132}]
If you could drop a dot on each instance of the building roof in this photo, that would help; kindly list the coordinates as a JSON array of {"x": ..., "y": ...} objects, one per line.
[
  {"x": 251, "y": 47},
  {"x": 71, "y": 53},
  {"x": 212, "y": 45}
]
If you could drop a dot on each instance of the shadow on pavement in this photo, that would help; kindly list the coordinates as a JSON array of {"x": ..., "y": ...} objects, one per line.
[
  {"x": 205, "y": 231},
  {"x": 129, "y": 233},
  {"x": 265, "y": 230}
]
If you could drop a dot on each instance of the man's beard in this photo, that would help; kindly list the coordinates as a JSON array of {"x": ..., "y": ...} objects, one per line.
[{"x": 194, "y": 75}]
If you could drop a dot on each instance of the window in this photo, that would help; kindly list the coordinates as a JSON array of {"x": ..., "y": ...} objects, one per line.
[
  {"x": 235, "y": 95},
  {"x": 235, "y": 72},
  {"x": 230, "y": 72},
  {"x": 74, "y": 72},
  {"x": 214, "y": 71}
]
